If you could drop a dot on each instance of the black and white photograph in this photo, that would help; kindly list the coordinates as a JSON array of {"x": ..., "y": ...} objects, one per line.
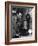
[{"x": 21, "y": 21}]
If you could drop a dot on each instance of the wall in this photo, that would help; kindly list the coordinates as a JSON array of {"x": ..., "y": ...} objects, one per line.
[
  {"x": 37, "y": 22},
  {"x": 2, "y": 22}
]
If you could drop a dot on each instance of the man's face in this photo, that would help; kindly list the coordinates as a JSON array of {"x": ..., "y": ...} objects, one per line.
[{"x": 19, "y": 15}]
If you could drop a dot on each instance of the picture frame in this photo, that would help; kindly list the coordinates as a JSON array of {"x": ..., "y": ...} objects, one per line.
[{"x": 19, "y": 10}]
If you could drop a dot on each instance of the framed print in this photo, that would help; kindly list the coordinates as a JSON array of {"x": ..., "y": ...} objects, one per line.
[{"x": 20, "y": 22}]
